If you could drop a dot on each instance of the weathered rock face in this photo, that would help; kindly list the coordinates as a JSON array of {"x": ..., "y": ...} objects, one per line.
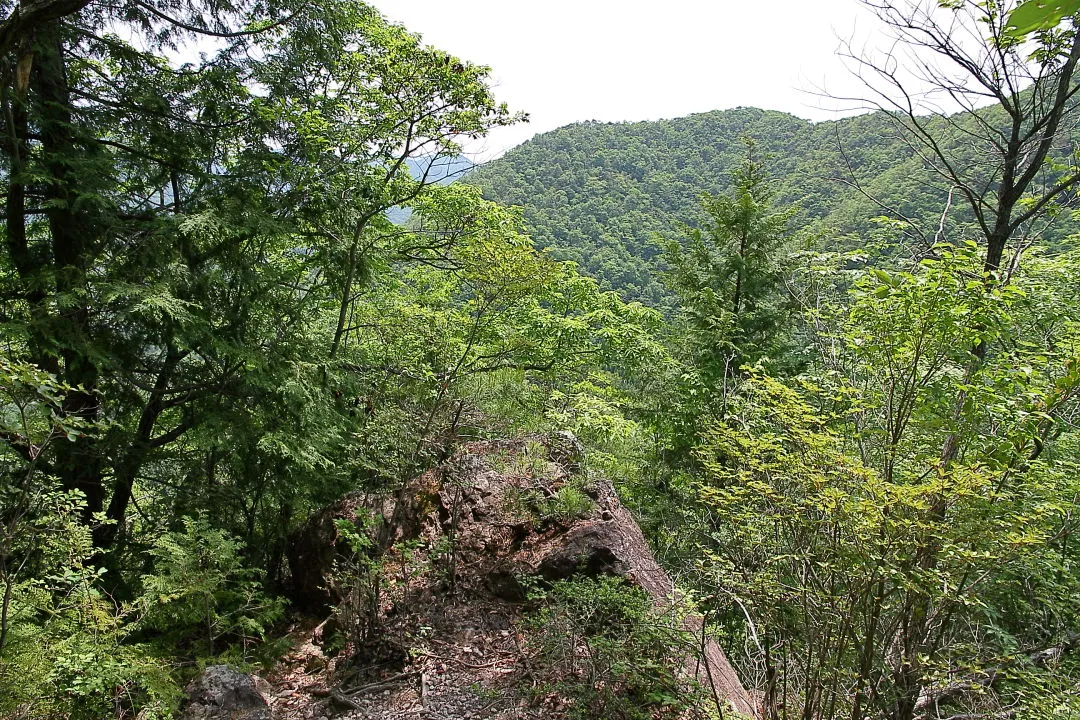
[
  {"x": 492, "y": 515},
  {"x": 384, "y": 519},
  {"x": 590, "y": 549},
  {"x": 312, "y": 549},
  {"x": 616, "y": 546},
  {"x": 221, "y": 693},
  {"x": 605, "y": 539}
]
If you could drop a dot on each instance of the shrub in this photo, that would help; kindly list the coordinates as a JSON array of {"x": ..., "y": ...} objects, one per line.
[
  {"x": 201, "y": 591},
  {"x": 603, "y": 646},
  {"x": 65, "y": 649}
]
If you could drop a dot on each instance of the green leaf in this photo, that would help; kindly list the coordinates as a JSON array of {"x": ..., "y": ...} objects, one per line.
[
  {"x": 883, "y": 276},
  {"x": 1035, "y": 15}
]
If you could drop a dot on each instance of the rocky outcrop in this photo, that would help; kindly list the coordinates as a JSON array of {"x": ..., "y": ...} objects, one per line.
[
  {"x": 605, "y": 539},
  {"x": 458, "y": 546},
  {"x": 222, "y": 693},
  {"x": 614, "y": 544},
  {"x": 381, "y": 518}
]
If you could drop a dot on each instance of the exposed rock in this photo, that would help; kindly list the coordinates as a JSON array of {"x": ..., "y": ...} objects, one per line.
[
  {"x": 604, "y": 540},
  {"x": 504, "y": 584},
  {"x": 313, "y": 548},
  {"x": 382, "y": 518},
  {"x": 222, "y": 693},
  {"x": 588, "y": 550},
  {"x": 609, "y": 541},
  {"x": 493, "y": 515},
  {"x": 566, "y": 450}
]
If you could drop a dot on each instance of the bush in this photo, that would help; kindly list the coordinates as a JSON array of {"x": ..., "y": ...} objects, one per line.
[
  {"x": 358, "y": 579},
  {"x": 606, "y": 649},
  {"x": 201, "y": 591},
  {"x": 67, "y": 650}
]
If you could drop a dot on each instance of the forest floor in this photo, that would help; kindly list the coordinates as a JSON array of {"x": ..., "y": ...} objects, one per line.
[{"x": 469, "y": 662}]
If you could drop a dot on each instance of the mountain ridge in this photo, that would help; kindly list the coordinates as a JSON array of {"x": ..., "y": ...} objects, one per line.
[{"x": 598, "y": 193}]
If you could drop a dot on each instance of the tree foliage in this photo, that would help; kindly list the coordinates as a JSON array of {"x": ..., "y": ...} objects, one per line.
[
  {"x": 208, "y": 312},
  {"x": 175, "y": 233},
  {"x": 597, "y": 193},
  {"x": 237, "y": 287},
  {"x": 729, "y": 278}
]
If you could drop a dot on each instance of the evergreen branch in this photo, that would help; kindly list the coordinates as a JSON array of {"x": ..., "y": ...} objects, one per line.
[{"x": 207, "y": 31}]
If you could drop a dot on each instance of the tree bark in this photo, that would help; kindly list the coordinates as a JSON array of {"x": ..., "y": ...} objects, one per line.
[
  {"x": 128, "y": 468},
  {"x": 31, "y": 14},
  {"x": 72, "y": 232}
]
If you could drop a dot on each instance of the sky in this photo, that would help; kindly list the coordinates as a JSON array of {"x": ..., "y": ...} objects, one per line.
[{"x": 565, "y": 61}]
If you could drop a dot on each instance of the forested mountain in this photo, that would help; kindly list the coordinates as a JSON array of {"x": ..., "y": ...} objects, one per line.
[
  {"x": 269, "y": 378},
  {"x": 598, "y": 193}
]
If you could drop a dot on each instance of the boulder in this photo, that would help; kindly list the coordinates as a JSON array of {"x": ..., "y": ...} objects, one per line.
[
  {"x": 587, "y": 550},
  {"x": 222, "y": 693},
  {"x": 383, "y": 518}
]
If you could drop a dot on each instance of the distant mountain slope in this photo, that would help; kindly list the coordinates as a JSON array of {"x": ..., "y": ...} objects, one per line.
[
  {"x": 440, "y": 169},
  {"x": 596, "y": 193}
]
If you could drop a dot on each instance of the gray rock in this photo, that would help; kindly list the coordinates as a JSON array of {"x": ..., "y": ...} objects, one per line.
[
  {"x": 222, "y": 693},
  {"x": 565, "y": 449},
  {"x": 503, "y": 583},
  {"x": 587, "y": 550}
]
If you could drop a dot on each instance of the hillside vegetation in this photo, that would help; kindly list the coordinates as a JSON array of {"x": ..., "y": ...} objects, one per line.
[
  {"x": 599, "y": 193},
  {"x": 267, "y": 376}
]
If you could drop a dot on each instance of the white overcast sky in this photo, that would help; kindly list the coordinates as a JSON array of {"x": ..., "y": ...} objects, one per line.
[{"x": 564, "y": 61}]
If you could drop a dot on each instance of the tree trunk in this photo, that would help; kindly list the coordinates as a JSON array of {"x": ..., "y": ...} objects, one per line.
[{"x": 79, "y": 462}]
